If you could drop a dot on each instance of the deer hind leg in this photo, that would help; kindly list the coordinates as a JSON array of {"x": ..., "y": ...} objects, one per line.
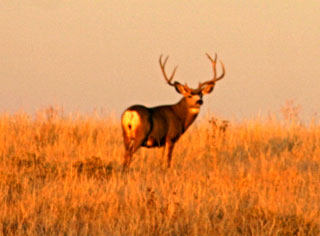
[
  {"x": 168, "y": 150},
  {"x": 128, "y": 154},
  {"x": 131, "y": 146}
]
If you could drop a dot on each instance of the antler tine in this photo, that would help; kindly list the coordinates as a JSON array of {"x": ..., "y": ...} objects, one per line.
[
  {"x": 162, "y": 66},
  {"x": 214, "y": 63},
  {"x": 223, "y": 71},
  {"x": 210, "y": 58}
]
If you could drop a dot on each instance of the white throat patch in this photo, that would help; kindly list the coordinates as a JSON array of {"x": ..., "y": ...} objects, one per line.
[{"x": 194, "y": 110}]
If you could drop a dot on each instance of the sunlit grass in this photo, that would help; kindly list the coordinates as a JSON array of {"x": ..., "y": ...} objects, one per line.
[{"x": 61, "y": 175}]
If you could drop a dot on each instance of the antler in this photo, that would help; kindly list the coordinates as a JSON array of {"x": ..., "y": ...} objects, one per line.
[
  {"x": 162, "y": 66},
  {"x": 214, "y": 79}
]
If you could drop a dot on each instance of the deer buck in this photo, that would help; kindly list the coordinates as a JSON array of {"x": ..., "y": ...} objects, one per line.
[{"x": 163, "y": 125}]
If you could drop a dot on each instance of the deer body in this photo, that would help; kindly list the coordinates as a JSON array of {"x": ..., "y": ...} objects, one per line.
[
  {"x": 153, "y": 126},
  {"x": 163, "y": 125}
]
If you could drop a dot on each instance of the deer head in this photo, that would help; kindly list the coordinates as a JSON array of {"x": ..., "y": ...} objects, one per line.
[{"x": 193, "y": 97}]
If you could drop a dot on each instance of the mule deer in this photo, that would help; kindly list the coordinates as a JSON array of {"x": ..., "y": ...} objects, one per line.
[{"x": 163, "y": 125}]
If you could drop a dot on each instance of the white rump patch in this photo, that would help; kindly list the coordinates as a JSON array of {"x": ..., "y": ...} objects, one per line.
[{"x": 130, "y": 121}]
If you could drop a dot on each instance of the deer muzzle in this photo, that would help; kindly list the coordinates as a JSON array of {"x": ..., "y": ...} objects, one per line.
[{"x": 199, "y": 102}]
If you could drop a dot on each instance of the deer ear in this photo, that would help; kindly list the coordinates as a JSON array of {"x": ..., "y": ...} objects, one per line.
[
  {"x": 181, "y": 88},
  {"x": 207, "y": 89}
]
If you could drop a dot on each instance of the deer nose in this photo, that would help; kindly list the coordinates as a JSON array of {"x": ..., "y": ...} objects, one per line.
[{"x": 199, "y": 102}]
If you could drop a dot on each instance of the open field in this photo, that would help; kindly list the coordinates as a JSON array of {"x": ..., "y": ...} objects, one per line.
[{"x": 61, "y": 175}]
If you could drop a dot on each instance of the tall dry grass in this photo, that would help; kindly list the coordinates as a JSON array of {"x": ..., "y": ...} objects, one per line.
[{"x": 61, "y": 175}]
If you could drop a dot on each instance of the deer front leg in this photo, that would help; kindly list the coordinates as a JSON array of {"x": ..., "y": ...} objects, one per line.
[{"x": 168, "y": 150}]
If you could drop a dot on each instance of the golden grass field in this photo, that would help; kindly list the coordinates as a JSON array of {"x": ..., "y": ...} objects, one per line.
[{"x": 61, "y": 175}]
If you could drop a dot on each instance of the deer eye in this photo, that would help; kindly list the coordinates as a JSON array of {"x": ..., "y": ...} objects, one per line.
[{"x": 190, "y": 96}]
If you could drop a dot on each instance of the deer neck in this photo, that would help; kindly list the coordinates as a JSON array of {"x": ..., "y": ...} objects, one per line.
[{"x": 185, "y": 113}]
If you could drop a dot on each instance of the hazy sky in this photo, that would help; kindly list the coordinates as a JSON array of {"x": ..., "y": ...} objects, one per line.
[{"x": 89, "y": 54}]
